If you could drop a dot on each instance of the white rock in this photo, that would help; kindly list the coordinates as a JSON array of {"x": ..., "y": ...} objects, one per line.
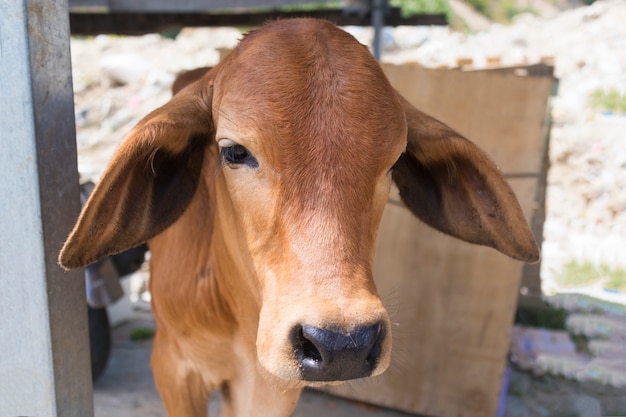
[{"x": 124, "y": 68}]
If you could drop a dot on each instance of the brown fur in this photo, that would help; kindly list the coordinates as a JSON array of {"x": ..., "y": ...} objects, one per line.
[
  {"x": 240, "y": 255},
  {"x": 188, "y": 77}
]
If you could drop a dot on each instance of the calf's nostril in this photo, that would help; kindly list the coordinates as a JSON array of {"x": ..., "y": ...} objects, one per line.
[
  {"x": 329, "y": 355},
  {"x": 307, "y": 347}
]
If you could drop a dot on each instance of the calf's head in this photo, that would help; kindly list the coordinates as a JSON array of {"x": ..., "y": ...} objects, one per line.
[{"x": 299, "y": 135}]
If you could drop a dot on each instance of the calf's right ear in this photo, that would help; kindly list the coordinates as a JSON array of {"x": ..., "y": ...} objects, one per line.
[{"x": 149, "y": 182}]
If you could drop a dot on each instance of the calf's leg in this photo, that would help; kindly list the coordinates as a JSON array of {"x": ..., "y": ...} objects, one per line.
[{"x": 181, "y": 387}]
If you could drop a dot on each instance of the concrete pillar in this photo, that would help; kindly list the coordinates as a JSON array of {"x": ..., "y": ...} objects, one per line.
[{"x": 44, "y": 351}]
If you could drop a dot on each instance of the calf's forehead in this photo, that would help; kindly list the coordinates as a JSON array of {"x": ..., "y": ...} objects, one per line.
[{"x": 304, "y": 87}]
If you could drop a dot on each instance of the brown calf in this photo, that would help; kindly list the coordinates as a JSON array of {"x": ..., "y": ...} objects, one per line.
[{"x": 260, "y": 188}]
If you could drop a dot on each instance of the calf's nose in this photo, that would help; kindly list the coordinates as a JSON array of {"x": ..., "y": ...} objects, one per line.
[{"x": 329, "y": 355}]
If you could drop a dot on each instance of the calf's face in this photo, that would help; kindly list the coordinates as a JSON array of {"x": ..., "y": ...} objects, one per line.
[
  {"x": 307, "y": 145},
  {"x": 309, "y": 136}
]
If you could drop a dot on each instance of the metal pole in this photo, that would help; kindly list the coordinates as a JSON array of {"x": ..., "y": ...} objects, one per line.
[
  {"x": 44, "y": 354},
  {"x": 379, "y": 7}
]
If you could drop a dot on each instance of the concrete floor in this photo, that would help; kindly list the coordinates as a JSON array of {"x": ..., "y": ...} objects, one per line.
[{"x": 127, "y": 389}]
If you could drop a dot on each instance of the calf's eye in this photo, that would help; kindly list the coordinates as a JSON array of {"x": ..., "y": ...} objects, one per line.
[{"x": 236, "y": 155}]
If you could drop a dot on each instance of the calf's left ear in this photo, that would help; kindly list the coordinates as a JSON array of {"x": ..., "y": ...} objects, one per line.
[
  {"x": 149, "y": 183},
  {"x": 451, "y": 185}
]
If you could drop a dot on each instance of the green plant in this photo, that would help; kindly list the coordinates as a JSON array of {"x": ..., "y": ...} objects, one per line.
[
  {"x": 616, "y": 278},
  {"x": 499, "y": 10},
  {"x": 170, "y": 33},
  {"x": 546, "y": 318},
  {"x": 142, "y": 333},
  {"x": 510, "y": 9},
  {"x": 481, "y": 6},
  {"x": 576, "y": 274},
  {"x": 411, "y": 7},
  {"x": 408, "y": 7},
  {"x": 611, "y": 100},
  {"x": 309, "y": 6}
]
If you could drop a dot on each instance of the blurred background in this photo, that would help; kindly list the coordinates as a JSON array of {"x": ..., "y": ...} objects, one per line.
[{"x": 566, "y": 353}]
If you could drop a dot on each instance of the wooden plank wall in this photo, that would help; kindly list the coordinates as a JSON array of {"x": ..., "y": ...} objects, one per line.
[{"x": 453, "y": 303}]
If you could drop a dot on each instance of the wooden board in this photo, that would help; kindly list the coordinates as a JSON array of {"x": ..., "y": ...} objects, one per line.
[
  {"x": 503, "y": 113},
  {"x": 453, "y": 303}
]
